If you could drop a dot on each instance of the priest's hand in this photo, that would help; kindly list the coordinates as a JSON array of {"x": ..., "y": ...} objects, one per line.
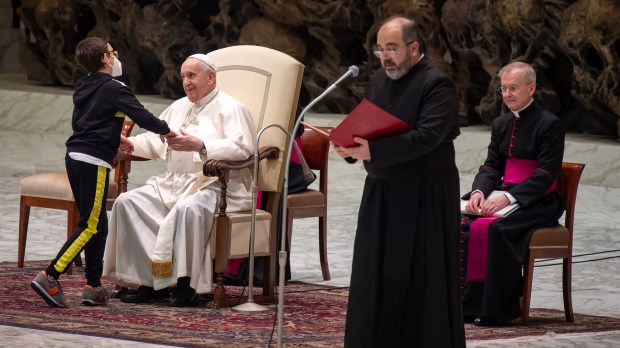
[
  {"x": 360, "y": 152},
  {"x": 185, "y": 142},
  {"x": 473, "y": 204},
  {"x": 340, "y": 151},
  {"x": 491, "y": 206}
]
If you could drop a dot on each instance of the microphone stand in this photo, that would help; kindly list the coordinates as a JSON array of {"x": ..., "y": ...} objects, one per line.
[
  {"x": 353, "y": 70},
  {"x": 250, "y": 306}
]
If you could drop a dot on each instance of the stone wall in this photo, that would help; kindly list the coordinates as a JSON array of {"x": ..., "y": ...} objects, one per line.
[
  {"x": 573, "y": 45},
  {"x": 9, "y": 40}
]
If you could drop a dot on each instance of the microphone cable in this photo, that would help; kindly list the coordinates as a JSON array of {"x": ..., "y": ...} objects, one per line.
[{"x": 582, "y": 261}]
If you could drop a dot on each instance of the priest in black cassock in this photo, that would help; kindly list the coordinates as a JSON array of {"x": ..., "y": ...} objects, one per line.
[
  {"x": 405, "y": 283},
  {"x": 524, "y": 159}
]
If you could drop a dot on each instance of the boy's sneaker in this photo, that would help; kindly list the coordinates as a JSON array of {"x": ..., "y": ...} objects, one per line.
[
  {"x": 49, "y": 289},
  {"x": 94, "y": 296}
]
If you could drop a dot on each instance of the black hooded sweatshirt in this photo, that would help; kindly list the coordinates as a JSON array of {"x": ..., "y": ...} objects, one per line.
[{"x": 101, "y": 104}]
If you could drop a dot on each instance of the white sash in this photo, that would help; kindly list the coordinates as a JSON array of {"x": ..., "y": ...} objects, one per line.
[{"x": 163, "y": 256}]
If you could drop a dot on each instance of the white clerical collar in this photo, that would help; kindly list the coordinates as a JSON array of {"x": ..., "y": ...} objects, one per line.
[
  {"x": 419, "y": 59},
  {"x": 516, "y": 113},
  {"x": 207, "y": 98}
]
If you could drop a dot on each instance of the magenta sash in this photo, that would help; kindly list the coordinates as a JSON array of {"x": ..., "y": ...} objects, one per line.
[
  {"x": 518, "y": 169},
  {"x": 294, "y": 155},
  {"x": 478, "y": 248}
]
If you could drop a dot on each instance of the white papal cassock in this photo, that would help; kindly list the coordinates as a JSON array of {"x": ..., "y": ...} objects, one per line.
[{"x": 181, "y": 201}]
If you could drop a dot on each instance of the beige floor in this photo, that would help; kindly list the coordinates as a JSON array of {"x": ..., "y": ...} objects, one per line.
[{"x": 35, "y": 125}]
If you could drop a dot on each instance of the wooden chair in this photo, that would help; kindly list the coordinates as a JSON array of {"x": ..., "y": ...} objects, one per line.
[
  {"x": 312, "y": 203},
  {"x": 555, "y": 242},
  {"x": 52, "y": 190}
]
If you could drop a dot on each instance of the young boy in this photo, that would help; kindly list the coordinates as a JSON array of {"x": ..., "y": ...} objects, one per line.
[{"x": 101, "y": 104}]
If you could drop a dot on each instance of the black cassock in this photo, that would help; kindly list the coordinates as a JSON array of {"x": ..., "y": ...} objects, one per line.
[
  {"x": 536, "y": 135},
  {"x": 404, "y": 281}
]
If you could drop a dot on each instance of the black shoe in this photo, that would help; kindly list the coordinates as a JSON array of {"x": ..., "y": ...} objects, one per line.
[
  {"x": 180, "y": 299},
  {"x": 162, "y": 294},
  {"x": 183, "y": 295},
  {"x": 487, "y": 322},
  {"x": 144, "y": 294}
]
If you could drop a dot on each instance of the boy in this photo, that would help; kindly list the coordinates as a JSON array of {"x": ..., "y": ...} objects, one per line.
[{"x": 101, "y": 104}]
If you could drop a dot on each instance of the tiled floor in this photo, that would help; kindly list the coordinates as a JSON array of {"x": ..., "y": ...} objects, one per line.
[{"x": 25, "y": 150}]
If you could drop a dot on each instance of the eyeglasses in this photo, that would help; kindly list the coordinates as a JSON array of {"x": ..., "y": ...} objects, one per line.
[
  {"x": 115, "y": 53},
  {"x": 390, "y": 50},
  {"x": 511, "y": 89}
]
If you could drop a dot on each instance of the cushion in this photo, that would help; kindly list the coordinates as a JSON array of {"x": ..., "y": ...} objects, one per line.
[
  {"x": 240, "y": 234},
  {"x": 55, "y": 185},
  {"x": 305, "y": 199}
]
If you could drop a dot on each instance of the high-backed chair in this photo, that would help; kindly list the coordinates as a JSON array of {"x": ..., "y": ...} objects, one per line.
[
  {"x": 268, "y": 82},
  {"x": 555, "y": 242},
  {"x": 52, "y": 190},
  {"x": 312, "y": 203}
]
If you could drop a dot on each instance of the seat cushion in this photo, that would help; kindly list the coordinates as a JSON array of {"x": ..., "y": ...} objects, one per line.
[
  {"x": 55, "y": 185},
  {"x": 554, "y": 236},
  {"x": 241, "y": 225},
  {"x": 305, "y": 199}
]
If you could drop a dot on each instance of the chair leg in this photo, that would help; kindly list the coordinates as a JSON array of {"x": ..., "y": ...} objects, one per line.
[
  {"x": 269, "y": 277},
  {"x": 75, "y": 216},
  {"x": 289, "y": 231},
  {"x": 566, "y": 289},
  {"x": 24, "y": 216},
  {"x": 72, "y": 221},
  {"x": 323, "y": 247},
  {"x": 220, "y": 263},
  {"x": 219, "y": 294},
  {"x": 527, "y": 288}
]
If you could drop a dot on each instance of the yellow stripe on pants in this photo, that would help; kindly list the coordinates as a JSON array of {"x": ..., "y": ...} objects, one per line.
[{"x": 91, "y": 228}]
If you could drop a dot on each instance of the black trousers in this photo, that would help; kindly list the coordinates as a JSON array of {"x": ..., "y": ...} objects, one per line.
[{"x": 89, "y": 184}]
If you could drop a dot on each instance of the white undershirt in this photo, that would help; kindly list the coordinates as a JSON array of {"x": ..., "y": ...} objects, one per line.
[{"x": 82, "y": 157}]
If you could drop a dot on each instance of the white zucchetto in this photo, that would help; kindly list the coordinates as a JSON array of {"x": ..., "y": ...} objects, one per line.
[{"x": 205, "y": 59}]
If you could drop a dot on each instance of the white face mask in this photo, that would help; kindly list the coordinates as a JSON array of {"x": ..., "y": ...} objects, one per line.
[{"x": 117, "y": 68}]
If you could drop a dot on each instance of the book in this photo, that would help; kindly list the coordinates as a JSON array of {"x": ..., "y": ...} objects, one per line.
[
  {"x": 367, "y": 121},
  {"x": 507, "y": 210}
]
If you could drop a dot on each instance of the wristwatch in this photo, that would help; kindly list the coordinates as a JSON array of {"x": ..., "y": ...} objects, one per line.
[{"x": 203, "y": 150}]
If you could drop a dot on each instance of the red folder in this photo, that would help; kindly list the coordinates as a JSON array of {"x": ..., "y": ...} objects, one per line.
[{"x": 367, "y": 121}]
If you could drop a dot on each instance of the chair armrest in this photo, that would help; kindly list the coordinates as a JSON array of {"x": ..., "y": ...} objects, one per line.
[
  {"x": 122, "y": 156},
  {"x": 222, "y": 168},
  {"x": 219, "y": 167},
  {"x": 122, "y": 168}
]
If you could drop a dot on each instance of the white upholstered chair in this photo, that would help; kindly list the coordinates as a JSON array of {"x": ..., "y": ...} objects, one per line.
[{"x": 268, "y": 83}]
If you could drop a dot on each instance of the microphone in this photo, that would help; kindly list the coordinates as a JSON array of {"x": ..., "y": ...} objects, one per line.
[{"x": 353, "y": 71}]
